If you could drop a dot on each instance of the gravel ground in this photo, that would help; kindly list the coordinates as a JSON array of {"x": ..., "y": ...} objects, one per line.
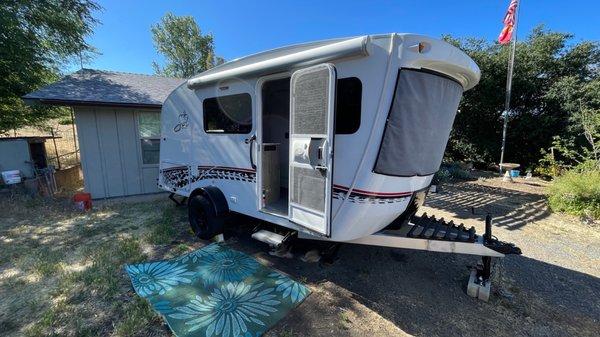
[{"x": 553, "y": 289}]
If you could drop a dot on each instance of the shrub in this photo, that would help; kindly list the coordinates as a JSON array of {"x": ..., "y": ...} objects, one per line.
[
  {"x": 442, "y": 176},
  {"x": 576, "y": 193},
  {"x": 457, "y": 172},
  {"x": 450, "y": 172}
]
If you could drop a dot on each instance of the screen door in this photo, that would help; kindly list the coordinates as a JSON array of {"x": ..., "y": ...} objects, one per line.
[{"x": 312, "y": 104}]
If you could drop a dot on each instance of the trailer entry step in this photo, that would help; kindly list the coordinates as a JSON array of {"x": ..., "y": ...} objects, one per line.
[
  {"x": 273, "y": 239},
  {"x": 428, "y": 227}
]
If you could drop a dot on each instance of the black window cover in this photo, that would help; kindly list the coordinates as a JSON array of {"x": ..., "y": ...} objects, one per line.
[
  {"x": 419, "y": 124},
  {"x": 348, "y": 105}
]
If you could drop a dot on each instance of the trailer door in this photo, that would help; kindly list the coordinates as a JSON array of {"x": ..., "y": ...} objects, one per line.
[{"x": 312, "y": 106}]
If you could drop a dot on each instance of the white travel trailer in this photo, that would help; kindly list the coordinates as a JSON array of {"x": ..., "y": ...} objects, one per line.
[{"x": 332, "y": 140}]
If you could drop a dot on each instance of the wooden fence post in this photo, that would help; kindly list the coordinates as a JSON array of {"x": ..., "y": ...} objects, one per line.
[
  {"x": 74, "y": 136},
  {"x": 55, "y": 148}
]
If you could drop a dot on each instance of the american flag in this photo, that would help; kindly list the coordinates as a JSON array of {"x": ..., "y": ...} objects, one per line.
[{"x": 509, "y": 23}]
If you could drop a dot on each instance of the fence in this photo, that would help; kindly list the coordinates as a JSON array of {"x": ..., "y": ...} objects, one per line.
[{"x": 63, "y": 152}]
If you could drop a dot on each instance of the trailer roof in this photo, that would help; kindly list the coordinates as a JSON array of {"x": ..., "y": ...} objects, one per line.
[{"x": 106, "y": 88}]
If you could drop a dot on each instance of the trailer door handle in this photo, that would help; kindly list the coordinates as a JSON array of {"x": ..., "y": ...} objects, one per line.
[{"x": 251, "y": 142}]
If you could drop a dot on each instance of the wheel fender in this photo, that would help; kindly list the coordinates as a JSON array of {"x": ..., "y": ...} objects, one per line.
[{"x": 216, "y": 197}]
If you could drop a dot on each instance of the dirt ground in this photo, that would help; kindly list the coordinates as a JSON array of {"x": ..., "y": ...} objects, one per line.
[{"x": 60, "y": 273}]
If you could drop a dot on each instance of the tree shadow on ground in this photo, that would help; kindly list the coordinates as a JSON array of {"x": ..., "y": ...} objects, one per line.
[{"x": 510, "y": 209}]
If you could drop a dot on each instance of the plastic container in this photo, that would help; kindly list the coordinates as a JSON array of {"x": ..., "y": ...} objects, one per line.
[
  {"x": 11, "y": 177},
  {"x": 83, "y": 201},
  {"x": 515, "y": 173}
]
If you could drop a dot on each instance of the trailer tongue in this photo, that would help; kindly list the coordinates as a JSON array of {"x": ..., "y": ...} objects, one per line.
[
  {"x": 436, "y": 235},
  {"x": 428, "y": 233}
]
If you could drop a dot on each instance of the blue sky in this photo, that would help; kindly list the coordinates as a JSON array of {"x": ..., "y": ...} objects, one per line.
[{"x": 242, "y": 28}]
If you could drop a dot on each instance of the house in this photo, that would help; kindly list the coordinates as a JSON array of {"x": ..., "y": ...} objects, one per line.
[{"x": 117, "y": 116}]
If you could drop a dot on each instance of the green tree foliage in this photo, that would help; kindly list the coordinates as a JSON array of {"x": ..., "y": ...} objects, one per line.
[
  {"x": 550, "y": 74},
  {"x": 187, "y": 51},
  {"x": 37, "y": 37},
  {"x": 580, "y": 146}
]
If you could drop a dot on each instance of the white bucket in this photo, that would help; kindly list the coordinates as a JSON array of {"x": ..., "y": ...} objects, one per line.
[{"x": 11, "y": 177}]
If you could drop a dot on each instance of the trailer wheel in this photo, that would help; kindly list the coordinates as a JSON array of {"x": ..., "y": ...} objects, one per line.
[{"x": 203, "y": 218}]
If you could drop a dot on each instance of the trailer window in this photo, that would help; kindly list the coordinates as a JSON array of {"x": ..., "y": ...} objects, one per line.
[
  {"x": 149, "y": 129},
  {"x": 348, "y": 104},
  {"x": 228, "y": 114}
]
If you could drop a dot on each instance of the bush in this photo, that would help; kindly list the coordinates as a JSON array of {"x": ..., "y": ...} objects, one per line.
[
  {"x": 576, "y": 193},
  {"x": 442, "y": 176},
  {"x": 458, "y": 172},
  {"x": 451, "y": 172}
]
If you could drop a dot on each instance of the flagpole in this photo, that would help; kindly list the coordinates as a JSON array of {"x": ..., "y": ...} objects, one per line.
[{"x": 509, "y": 76}]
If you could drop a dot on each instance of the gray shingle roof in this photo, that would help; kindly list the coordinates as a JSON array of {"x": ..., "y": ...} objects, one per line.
[{"x": 99, "y": 87}]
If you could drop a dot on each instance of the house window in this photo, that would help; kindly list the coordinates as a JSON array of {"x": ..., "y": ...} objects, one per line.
[
  {"x": 228, "y": 114},
  {"x": 149, "y": 128},
  {"x": 347, "y": 111}
]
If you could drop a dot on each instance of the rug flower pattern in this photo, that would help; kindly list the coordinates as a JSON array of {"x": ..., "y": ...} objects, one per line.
[
  {"x": 157, "y": 277},
  {"x": 216, "y": 291}
]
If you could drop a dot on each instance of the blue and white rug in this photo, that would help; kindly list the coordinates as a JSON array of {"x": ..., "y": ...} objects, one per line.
[{"x": 216, "y": 291}]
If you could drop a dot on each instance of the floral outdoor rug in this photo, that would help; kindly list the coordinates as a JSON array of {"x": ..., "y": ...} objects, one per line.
[{"x": 216, "y": 291}]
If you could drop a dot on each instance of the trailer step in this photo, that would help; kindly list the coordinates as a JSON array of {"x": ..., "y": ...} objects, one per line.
[
  {"x": 428, "y": 227},
  {"x": 270, "y": 238}
]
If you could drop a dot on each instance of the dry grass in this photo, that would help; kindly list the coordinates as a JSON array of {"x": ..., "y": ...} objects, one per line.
[{"x": 61, "y": 272}]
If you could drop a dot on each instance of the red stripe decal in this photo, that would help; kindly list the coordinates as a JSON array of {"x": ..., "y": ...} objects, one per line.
[{"x": 375, "y": 194}]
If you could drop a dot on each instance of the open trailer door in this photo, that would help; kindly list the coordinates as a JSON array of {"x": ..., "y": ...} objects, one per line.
[{"x": 312, "y": 101}]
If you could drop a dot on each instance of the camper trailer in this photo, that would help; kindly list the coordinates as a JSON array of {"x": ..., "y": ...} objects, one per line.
[{"x": 332, "y": 140}]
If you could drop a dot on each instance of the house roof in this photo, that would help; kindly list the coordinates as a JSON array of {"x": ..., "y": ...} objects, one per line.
[
  {"x": 106, "y": 88},
  {"x": 32, "y": 138}
]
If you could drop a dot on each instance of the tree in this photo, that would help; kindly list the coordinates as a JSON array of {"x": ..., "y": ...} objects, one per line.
[
  {"x": 37, "y": 37},
  {"x": 548, "y": 69},
  {"x": 187, "y": 51},
  {"x": 580, "y": 146}
]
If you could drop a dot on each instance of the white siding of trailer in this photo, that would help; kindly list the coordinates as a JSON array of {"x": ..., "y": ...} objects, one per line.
[{"x": 110, "y": 152}]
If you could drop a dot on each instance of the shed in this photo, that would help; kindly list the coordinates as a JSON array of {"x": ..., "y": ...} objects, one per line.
[
  {"x": 23, "y": 154},
  {"x": 117, "y": 116}
]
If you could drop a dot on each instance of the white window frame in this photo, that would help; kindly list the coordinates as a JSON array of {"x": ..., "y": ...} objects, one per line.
[{"x": 139, "y": 137}]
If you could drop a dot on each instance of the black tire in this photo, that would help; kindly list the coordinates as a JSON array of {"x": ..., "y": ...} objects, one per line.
[{"x": 203, "y": 219}]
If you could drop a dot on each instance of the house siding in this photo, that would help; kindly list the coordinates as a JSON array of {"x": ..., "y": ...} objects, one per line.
[{"x": 110, "y": 155}]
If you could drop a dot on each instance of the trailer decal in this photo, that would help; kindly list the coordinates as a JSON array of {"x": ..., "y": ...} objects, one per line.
[
  {"x": 228, "y": 173},
  {"x": 175, "y": 177},
  {"x": 368, "y": 197}
]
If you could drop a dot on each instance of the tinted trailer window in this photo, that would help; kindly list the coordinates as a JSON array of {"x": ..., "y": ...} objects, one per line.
[
  {"x": 419, "y": 124},
  {"x": 228, "y": 114}
]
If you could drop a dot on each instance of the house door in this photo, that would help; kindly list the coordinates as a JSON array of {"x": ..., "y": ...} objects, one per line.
[{"x": 312, "y": 104}]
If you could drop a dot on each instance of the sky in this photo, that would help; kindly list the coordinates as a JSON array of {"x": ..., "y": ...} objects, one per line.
[{"x": 245, "y": 27}]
